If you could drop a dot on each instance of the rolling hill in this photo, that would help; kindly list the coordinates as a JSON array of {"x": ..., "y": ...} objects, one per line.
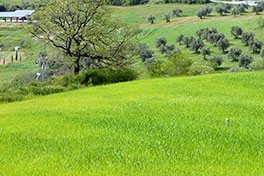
[{"x": 169, "y": 126}]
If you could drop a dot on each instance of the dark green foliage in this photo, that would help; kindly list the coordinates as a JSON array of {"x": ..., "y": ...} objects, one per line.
[
  {"x": 255, "y": 46},
  {"x": 247, "y": 38},
  {"x": 99, "y": 77},
  {"x": 235, "y": 11},
  {"x": 177, "y": 12},
  {"x": 222, "y": 9},
  {"x": 258, "y": 9},
  {"x": 236, "y": 31},
  {"x": 223, "y": 44},
  {"x": 244, "y": 61},
  {"x": 196, "y": 45},
  {"x": 204, "y": 12},
  {"x": 167, "y": 18},
  {"x": 145, "y": 52},
  {"x": 234, "y": 54},
  {"x": 160, "y": 42},
  {"x": 179, "y": 39},
  {"x": 214, "y": 38},
  {"x": 215, "y": 62},
  {"x": 26, "y": 85},
  {"x": 205, "y": 52},
  {"x": 187, "y": 41},
  {"x": 151, "y": 19}
]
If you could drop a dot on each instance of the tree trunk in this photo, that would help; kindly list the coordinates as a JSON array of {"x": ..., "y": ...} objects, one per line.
[{"x": 77, "y": 66}]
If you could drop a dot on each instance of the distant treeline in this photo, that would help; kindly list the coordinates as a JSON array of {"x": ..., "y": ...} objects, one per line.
[
  {"x": 137, "y": 2},
  {"x": 27, "y": 5}
]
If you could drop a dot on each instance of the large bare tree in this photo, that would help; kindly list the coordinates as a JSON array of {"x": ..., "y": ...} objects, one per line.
[{"x": 85, "y": 29}]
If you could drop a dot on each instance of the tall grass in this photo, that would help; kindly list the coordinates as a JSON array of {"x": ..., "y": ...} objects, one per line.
[{"x": 169, "y": 126}]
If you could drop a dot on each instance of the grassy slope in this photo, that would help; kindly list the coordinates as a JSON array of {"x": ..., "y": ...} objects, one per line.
[
  {"x": 169, "y": 126},
  {"x": 12, "y": 35},
  {"x": 188, "y": 25}
]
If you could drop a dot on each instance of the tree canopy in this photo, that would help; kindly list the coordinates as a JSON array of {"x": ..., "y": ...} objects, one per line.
[{"x": 84, "y": 29}]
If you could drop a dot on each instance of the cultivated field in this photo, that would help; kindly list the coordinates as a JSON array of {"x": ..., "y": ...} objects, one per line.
[{"x": 169, "y": 126}]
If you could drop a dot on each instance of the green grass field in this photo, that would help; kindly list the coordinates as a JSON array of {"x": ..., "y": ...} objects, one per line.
[
  {"x": 12, "y": 35},
  {"x": 169, "y": 126}
]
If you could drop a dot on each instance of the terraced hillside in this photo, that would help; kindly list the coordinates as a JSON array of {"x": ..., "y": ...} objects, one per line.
[{"x": 169, "y": 126}]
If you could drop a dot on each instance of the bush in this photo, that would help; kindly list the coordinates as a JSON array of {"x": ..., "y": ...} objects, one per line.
[
  {"x": 255, "y": 46},
  {"x": 160, "y": 42},
  {"x": 23, "y": 86},
  {"x": 215, "y": 62},
  {"x": 177, "y": 12},
  {"x": 236, "y": 31},
  {"x": 99, "y": 76},
  {"x": 247, "y": 38},
  {"x": 200, "y": 70},
  {"x": 151, "y": 19},
  {"x": 234, "y": 54},
  {"x": 244, "y": 61},
  {"x": 257, "y": 65},
  {"x": 167, "y": 18},
  {"x": 174, "y": 66},
  {"x": 177, "y": 65}
]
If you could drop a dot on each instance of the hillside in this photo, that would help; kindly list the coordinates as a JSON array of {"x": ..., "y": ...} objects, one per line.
[
  {"x": 188, "y": 23},
  {"x": 169, "y": 126}
]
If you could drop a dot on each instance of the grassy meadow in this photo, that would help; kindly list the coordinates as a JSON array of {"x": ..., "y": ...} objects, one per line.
[
  {"x": 168, "y": 126},
  {"x": 12, "y": 35}
]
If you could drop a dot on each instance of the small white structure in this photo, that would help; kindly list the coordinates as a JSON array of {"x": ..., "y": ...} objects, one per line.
[{"x": 18, "y": 15}]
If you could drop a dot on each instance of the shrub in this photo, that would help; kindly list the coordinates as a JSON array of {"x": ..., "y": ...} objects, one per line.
[
  {"x": 174, "y": 66},
  {"x": 200, "y": 70},
  {"x": 257, "y": 9},
  {"x": 257, "y": 65},
  {"x": 222, "y": 9},
  {"x": 247, "y": 38},
  {"x": 223, "y": 44},
  {"x": 235, "y": 11},
  {"x": 244, "y": 61},
  {"x": 167, "y": 18},
  {"x": 177, "y": 12},
  {"x": 196, "y": 45},
  {"x": 205, "y": 52},
  {"x": 145, "y": 52},
  {"x": 215, "y": 62},
  {"x": 255, "y": 46},
  {"x": 234, "y": 54},
  {"x": 155, "y": 69},
  {"x": 99, "y": 76},
  {"x": 179, "y": 39},
  {"x": 160, "y": 42},
  {"x": 236, "y": 31},
  {"x": 204, "y": 12},
  {"x": 177, "y": 65},
  {"x": 151, "y": 19}
]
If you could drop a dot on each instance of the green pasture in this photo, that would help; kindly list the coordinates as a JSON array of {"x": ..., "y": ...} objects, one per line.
[
  {"x": 169, "y": 126},
  {"x": 12, "y": 35}
]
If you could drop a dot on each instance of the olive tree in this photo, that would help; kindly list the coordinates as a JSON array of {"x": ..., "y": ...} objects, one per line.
[
  {"x": 151, "y": 19},
  {"x": 84, "y": 29},
  {"x": 236, "y": 31}
]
